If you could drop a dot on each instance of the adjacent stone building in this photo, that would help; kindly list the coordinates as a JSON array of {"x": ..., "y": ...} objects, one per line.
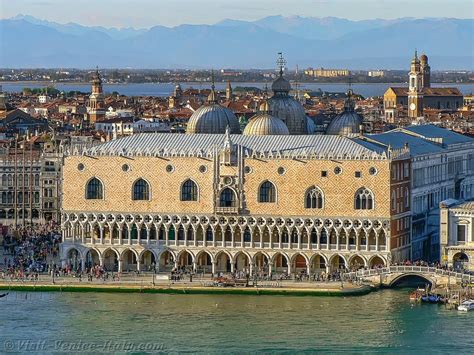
[{"x": 457, "y": 234}]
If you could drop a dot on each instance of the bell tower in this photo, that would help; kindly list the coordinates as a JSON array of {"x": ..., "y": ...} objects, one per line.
[
  {"x": 415, "y": 89},
  {"x": 96, "y": 99},
  {"x": 425, "y": 71}
]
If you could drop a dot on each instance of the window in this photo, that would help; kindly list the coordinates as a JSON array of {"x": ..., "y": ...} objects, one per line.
[
  {"x": 407, "y": 197},
  {"x": 189, "y": 191},
  {"x": 461, "y": 233},
  {"x": 314, "y": 198},
  {"x": 227, "y": 198},
  {"x": 358, "y": 174},
  {"x": 141, "y": 190},
  {"x": 94, "y": 190},
  {"x": 267, "y": 192},
  {"x": 324, "y": 173},
  {"x": 364, "y": 199}
]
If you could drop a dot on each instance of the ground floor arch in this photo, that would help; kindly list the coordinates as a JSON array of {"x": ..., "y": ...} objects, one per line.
[
  {"x": 130, "y": 260},
  {"x": 148, "y": 261},
  {"x": 356, "y": 262},
  {"x": 338, "y": 263},
  {"x": 166, "y": 263},
  {"x": 74, "y": 259},
  {"x": 92, "y": 258},
  {"x": 110, "y": 260},
  {"x": 460, "y": 261},
  {"x": 376, "y": 261},
  {"x": 185, "y": 260},
  {"x": 223, "y": 262},
  {"x": 204, "y": 262},
  {"x": 318, "y": 263},
  {"x": 242, "y": 262},
  {"x": 281, "y": 263}
]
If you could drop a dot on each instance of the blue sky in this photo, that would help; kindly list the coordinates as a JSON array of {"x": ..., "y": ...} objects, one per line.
[{"x": 147, "y": 13}]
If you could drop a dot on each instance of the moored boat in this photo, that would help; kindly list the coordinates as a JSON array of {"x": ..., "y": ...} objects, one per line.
[{"x": 466, "y": 306}]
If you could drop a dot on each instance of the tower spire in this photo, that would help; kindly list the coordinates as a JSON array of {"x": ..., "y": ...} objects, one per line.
[
  {"x": 212, "y": 96},
  {"x": 281, "y": 62}
]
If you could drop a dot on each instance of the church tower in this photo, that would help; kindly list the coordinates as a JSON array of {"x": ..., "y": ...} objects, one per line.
[
  {"x": 415, "y": 89},
  {"x": 228, "y": 91},
  {"x": 425, "y": 71},
  {"x": 96, "y": 100}
]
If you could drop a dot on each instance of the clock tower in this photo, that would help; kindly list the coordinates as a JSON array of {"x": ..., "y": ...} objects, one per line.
[
  {"x": 96, "y": 100},
  {"x": 415, "y": 89}
]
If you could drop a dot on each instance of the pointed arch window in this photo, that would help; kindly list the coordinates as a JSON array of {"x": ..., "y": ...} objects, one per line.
[
  {"x": 94, "y": 189},
  {"x": 267, "y": 192},
  {"x": 140, "y": 190},
  {"x": 227, "y": 198},
  {"x": 364, "y": 199},
  {"x": 314, "y": 198},
  {"x": 189, "y": 191}
]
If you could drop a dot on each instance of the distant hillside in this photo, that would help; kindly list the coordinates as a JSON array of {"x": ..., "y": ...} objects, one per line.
[{"x": 329, "y": 42}]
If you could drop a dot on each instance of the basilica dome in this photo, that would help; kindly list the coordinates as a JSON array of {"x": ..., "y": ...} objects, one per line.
[
  {"x": 213, "y": 118},
  {"x": 263, "y": 123},
  {"x": 347, "y": 123},
  {"x": 286, "y": 108}
]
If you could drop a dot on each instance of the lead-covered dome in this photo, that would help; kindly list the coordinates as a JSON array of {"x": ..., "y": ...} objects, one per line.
[
  {"x": 348, "y": 122},
  {"x": 263, "y": 124},
  {"x": 213, "y": 118},
  {"x": 286, "y": 108}
]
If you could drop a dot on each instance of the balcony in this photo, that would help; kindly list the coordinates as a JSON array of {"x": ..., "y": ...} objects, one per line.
[{"x": 227, "y": 210}]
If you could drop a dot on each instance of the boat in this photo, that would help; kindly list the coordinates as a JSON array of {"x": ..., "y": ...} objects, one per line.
[
  {"x": 466, "y": 306},
  {"x": 433, "y": 298},
  {"x": 3, "y": 295}
]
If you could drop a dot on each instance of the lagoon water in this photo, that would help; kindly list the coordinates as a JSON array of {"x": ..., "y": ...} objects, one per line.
[
  {"x": 381, "y": 322},
  {"x": 165, "y": 89}
]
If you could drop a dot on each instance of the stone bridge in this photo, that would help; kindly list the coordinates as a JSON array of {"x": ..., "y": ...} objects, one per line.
[{"x": 390, "y": 276}]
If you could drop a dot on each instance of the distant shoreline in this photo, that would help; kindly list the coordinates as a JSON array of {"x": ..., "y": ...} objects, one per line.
[{"x": 234, "y": 83}]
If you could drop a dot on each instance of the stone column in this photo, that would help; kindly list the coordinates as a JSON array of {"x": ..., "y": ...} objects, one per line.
[
  {"x": 166, "y": 236},
  {"x": 252, "y": 266},
  {"x": 233, "y": 237},
  {"x": 337, "y": 241},
  {"x": 213, "y": 267},
  {"x": 299, "y": 240},
  {"x": 129, "y": 232},
  {"x": 83, "y": 264},
  {"x": 138, "y": 265},
  {"x": 232, "y": 266},
  {"x": 318, "y": 240},
  {"x": 194, "y": 266},
  {"x": 376, "y": 242},
  {"x": 357, "y": 242},
  {"x": 148, "y": 234},
  {"x": 270, "y": 267},
  {"x": 251, "y": 237},
  {"x": 83, "y": 234},
  {"x": 347, "y": 242},
  {"x": 139, "y": 234},
  {"x": 119, "y": 264},
  {"x": 101, "y": 231},
  {"x": 308, "y": 268}
]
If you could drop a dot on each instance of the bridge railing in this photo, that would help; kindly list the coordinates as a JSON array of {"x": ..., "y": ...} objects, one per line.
[{"x": 411, "y": 268}]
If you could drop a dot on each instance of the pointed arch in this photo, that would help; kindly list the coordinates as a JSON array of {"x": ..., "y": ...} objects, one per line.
[
  {"x": 267, "y": 192},
  {"x": 141, "y": 190},
  {"x": 314, "y": 198},
  {"x": 364, "y": 199},
  {"x": 228, "y": 198},
  {"x": 189, "y": 190},
  {"x": 94, "y": 189}
]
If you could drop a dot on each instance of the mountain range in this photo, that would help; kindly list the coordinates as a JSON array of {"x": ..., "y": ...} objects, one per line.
[{"x": 27, "y": 42}]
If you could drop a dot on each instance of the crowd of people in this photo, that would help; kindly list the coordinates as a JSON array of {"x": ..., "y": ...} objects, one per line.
[{"x": 28, "y": 251}]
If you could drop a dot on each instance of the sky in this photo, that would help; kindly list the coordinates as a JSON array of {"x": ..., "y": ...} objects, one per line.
[{"x": 147, "y": 13}]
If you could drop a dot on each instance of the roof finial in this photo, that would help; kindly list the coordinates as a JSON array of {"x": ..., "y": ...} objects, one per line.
[{"x": 281, "y": 62}]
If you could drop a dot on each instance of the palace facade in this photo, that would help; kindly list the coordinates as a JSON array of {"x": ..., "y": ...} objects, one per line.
[{"x": 222, "y": 202}]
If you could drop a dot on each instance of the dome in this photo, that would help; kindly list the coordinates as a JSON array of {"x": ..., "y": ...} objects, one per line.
[
  {"x": 424, "y": 58},
  {"x": 290, "y": 111},
  {"x": 281, "y": 85},
  {"x": 286, "y": 108},
  {"x": 213, "y": 118},
  {"x": 348, "y": 122},
  {"x": 263, "y": 124}
]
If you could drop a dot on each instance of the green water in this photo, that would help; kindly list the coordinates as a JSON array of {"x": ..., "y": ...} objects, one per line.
[{"x": 383, "y": 321}]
